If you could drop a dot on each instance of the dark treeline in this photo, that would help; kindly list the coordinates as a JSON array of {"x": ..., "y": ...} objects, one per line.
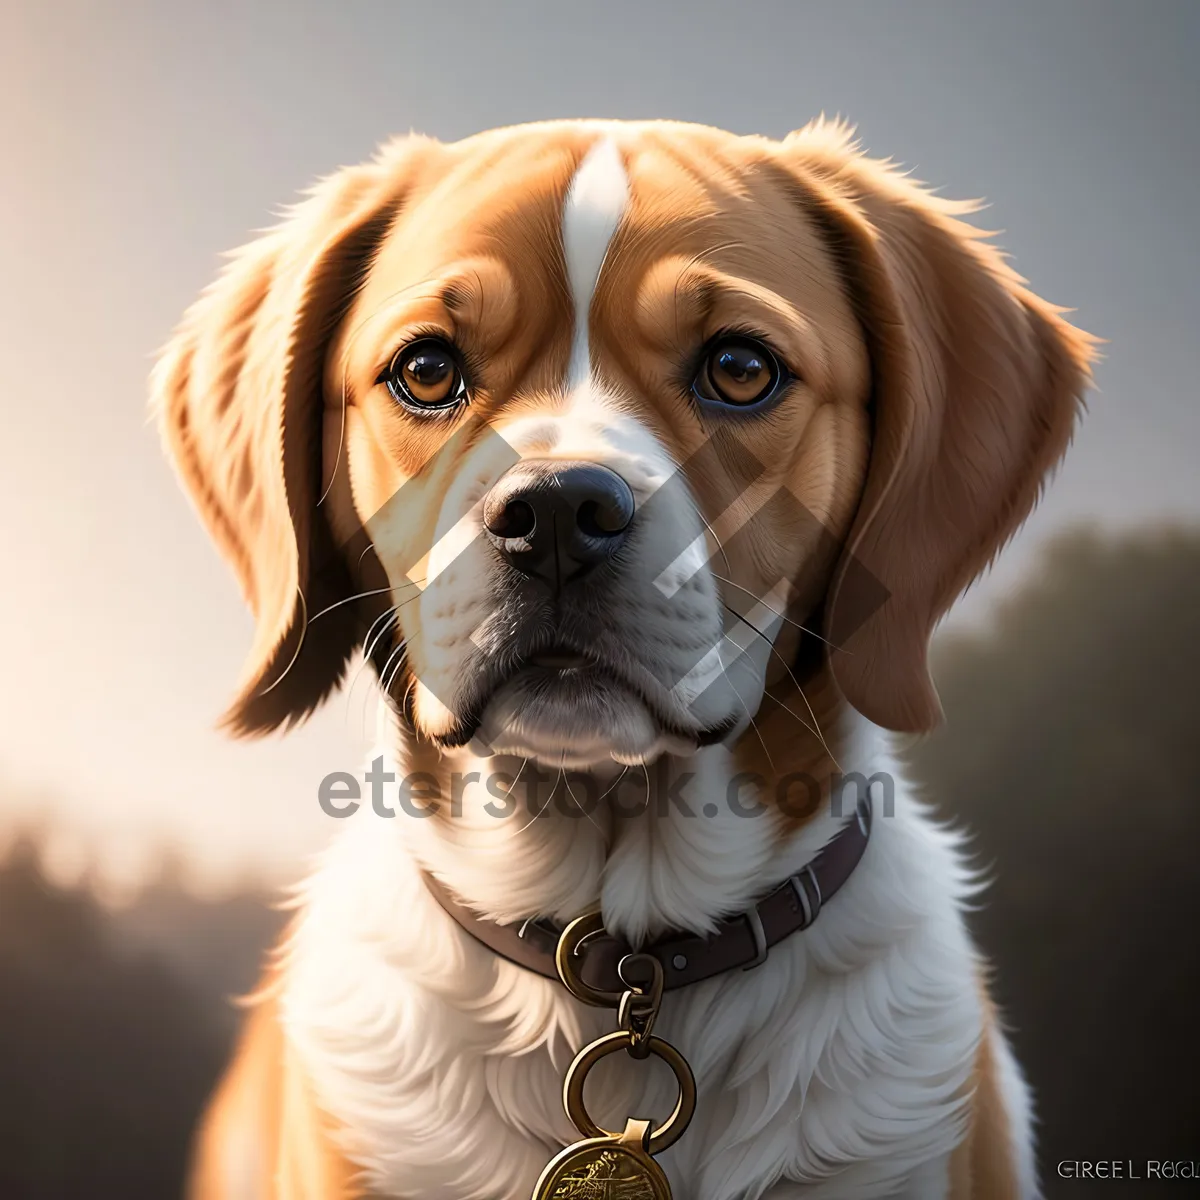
[
  {"x": 113, "y": 1027},
  {"x": 1070, "y": 750},
  {"x": 1068, "y": 753}
]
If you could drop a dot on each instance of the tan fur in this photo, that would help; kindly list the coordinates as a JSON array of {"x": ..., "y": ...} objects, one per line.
[
  {"x": 263, "y": 1137},
  {"x": 982, "y": 1166}
]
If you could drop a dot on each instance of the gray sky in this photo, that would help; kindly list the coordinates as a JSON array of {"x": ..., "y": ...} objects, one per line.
[{"x": 139, "y": 140}]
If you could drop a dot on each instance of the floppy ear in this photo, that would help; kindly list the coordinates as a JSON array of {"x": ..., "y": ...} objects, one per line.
[
  {"x": 976, "y": 386},
  {"x": 238, "y": 393}
]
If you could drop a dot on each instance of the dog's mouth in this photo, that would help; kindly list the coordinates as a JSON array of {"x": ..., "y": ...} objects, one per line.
[{"x": 572, "y": 704}]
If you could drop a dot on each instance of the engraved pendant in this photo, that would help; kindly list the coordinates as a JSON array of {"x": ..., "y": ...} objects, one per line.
[{"x": 605, "y": 1168}]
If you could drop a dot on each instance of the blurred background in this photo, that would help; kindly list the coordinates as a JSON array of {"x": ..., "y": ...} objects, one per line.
[{"x": 141, "y": 852}]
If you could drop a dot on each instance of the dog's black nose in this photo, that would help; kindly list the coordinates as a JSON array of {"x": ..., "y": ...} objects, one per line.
[{"x": 556, "y": 520}]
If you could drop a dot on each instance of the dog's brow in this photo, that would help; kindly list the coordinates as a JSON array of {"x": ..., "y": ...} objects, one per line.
[{"x": 453, "y": 296}]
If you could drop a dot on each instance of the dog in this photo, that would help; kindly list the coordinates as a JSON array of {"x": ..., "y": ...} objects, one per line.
[{"x": 641, "y": 459}]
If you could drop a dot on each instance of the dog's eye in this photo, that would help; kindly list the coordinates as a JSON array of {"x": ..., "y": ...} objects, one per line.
[
  {"x": 426, "y": 375},
  {"x": 737, "y": 370}
]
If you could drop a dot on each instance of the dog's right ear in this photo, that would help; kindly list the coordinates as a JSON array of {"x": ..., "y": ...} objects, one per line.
[
  {"x": 238, "y": 394},
  {"x": 977, "y": 384}
]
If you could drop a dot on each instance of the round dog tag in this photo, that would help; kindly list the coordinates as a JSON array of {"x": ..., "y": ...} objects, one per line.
[{"x": 605, "y": 1168}]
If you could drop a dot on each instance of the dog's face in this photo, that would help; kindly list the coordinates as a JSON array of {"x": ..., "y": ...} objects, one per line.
[
  {"x": 594, "y": 419},
  {"x": 566, "y": 363}
]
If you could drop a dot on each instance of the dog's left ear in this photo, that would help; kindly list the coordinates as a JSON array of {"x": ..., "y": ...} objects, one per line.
[
  {"x": 238, "y": 394},
  {"x": 976, "y": 386}
]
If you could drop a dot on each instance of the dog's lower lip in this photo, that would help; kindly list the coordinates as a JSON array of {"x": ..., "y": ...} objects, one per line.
[{"x": 562, "y": 660}]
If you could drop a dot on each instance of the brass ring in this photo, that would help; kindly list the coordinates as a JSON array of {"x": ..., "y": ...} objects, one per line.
[
  {"x": 672, "y": 1128},
  {"x": 570, "y": 943}
]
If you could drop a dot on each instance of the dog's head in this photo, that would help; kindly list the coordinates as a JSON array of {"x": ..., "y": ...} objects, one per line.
[{"x": 577, "y": 426}]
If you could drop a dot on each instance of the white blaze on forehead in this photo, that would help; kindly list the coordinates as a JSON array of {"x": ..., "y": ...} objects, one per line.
[{"x": 596, "y": 202}]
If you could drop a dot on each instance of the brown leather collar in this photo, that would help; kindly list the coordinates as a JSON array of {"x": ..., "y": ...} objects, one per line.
[{"x": 742, "y": 941}]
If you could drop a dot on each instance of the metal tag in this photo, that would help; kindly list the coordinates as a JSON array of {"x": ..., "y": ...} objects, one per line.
[{"x": 605, "y": 1168}]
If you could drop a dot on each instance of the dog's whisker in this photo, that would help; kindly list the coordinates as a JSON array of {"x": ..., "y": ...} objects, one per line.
[
  {"x": 541, "y": 810},
  {"x": 372, "y": 639},
  {"x": 782, "y": 616},
  {"x": 357, "y": 596},
  {"x": 616, "y": 783},
  {"x": 575, "y": 800},
  {"x": 753, "y": 724},
  {"x": 711, "y": 530},
  {"x": 396, "y": 655},
  {"x": 517, "y": 779},
  {"x": 392, "y": 615},
  {"x": 815, "y": 727},
  {"x": 824, "y": 743},
  {"x": 402, "y": 711},
  {"x": 386, "y": 682},
  {"x": 754, "y": 629},
  {"x": 484, "y": 840},
  {"x": 388, "y": 617}
]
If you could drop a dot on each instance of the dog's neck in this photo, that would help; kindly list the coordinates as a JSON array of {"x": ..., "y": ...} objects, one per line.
[{"x": 675, "y": 844}]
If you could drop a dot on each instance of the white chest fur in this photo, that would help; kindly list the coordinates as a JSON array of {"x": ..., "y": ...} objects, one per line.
[{"x": 838, "y": 1067}]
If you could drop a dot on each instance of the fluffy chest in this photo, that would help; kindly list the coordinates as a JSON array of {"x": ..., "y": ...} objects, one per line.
[{"x": 839, "y": 1064}]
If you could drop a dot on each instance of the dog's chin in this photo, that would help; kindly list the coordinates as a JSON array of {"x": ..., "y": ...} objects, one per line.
[{"x": 575, "y": 719}]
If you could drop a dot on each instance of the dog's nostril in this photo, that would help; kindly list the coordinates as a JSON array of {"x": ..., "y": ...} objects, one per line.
[
  {"x": 607, "y": 517},
  {"x": 516, "y": 519}
]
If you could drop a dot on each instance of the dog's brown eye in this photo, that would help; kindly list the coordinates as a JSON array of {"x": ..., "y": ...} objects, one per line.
[
  {"x": 738, "y": 371},
  {"x": 426, "y": 375}
]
